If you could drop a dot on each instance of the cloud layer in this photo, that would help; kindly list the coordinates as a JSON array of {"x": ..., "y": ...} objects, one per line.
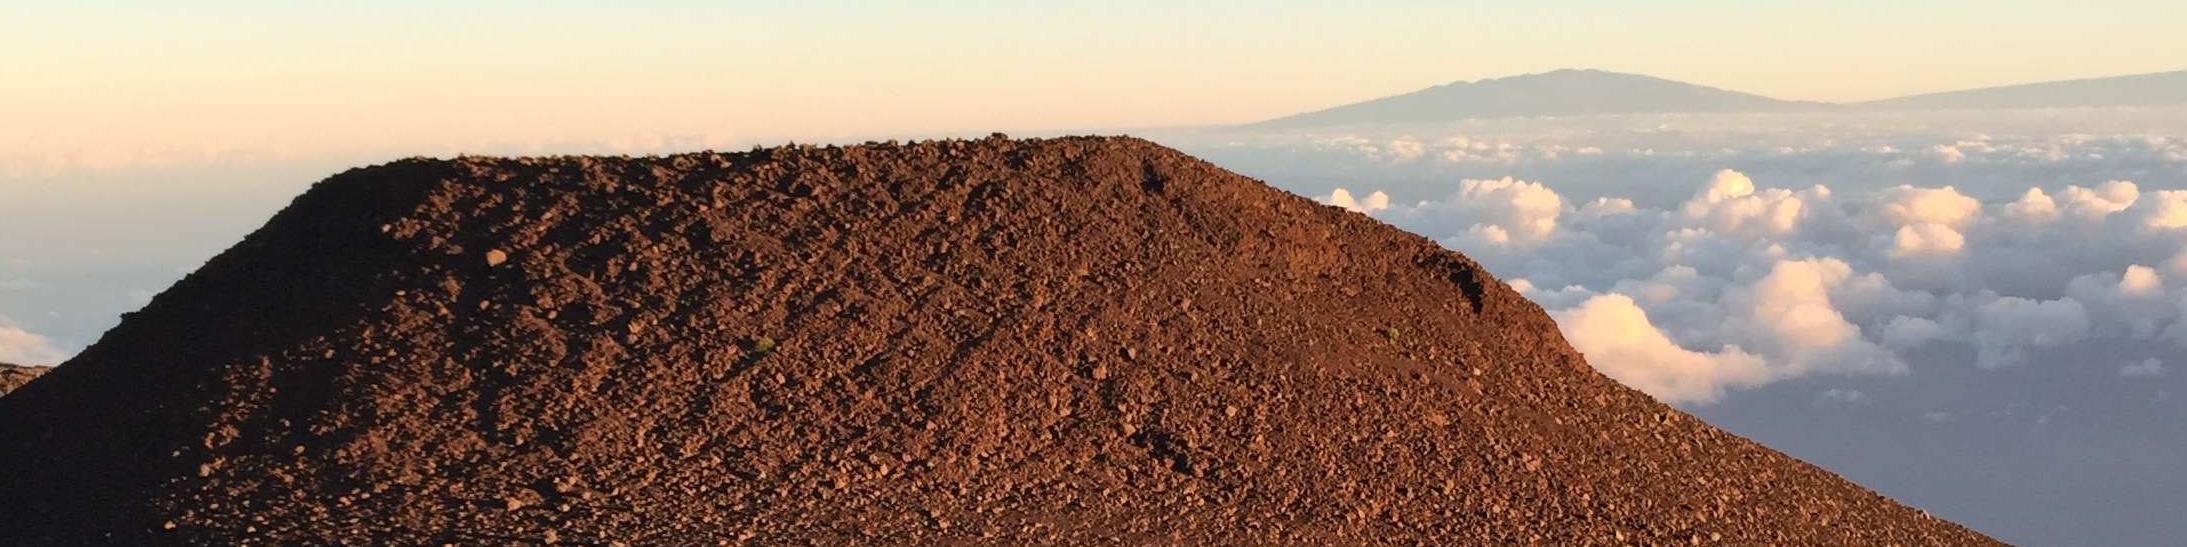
[
  {"x": 22, "y": 347},
  {"x": 1741, "y": 285}
]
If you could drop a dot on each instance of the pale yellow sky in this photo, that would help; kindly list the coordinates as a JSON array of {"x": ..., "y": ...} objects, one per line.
[{"x": 118, "y": 82}]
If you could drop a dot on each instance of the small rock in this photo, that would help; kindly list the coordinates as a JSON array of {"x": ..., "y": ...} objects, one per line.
[{"x": 496, "y": 257}]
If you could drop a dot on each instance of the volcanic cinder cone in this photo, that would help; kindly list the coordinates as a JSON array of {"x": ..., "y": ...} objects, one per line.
[{"x": 1069, "y": 341}]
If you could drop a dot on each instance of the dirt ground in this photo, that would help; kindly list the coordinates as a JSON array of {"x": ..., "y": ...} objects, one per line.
[{"x": 14, "y": 376}]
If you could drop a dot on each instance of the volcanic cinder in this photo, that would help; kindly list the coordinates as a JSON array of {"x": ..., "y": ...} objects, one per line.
[
  {"x": 13, "y": 377},
  {"x": 1074, "y": 341}
]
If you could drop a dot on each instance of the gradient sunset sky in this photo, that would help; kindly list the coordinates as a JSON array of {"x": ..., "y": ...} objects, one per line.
[{"x": 103, "y": 82}]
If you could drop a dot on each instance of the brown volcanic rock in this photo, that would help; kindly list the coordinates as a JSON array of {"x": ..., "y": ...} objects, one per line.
[
  {"x": 13, "y": 377},
  {"x": 1064, "y": 341}
]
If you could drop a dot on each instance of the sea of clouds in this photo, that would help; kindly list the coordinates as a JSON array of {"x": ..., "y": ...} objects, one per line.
[
  {"x": 1741, "y": 285},
  {"x": 1688, "y": 255},
  {"x": 1982, "y": 313}
]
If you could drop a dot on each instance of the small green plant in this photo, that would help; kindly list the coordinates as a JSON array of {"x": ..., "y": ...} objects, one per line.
[
  {"x": 1390, "y": 333},
  {"x": 762, "y": 345}
]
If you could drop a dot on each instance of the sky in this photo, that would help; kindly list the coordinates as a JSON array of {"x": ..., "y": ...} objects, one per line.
[{"x": 102, "y": 82}]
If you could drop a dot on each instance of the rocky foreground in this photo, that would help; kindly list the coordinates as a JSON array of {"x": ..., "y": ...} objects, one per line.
[
  {"x": 1071, "y": 341},
  {"x": 13, "y": 377}
]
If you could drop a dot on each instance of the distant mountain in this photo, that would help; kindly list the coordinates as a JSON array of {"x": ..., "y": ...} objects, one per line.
[
  {"x": 2157, "y": 89},
  {"x": 1573, "y": 92},
  {"x": 1566, "y": 92}
]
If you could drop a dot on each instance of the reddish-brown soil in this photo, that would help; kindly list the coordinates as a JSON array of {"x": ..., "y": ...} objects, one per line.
[
  {"x": 1073, "y": 341},
  {"x": 14, "y": 376}
]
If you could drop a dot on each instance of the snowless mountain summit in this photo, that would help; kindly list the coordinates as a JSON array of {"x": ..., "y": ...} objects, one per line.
[{"x": 1067, "y": 341}]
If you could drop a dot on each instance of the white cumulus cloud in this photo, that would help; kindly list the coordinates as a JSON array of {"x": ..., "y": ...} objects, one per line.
[
  {"x": 1618, "y": 340},
  {"x": 1499, "y": 212},
  {"x": 1909, "y": 205},
  {"x": 23, "y": 347},
  {"x": 1742, "y": 285},
  {"x": 2007, "y": 327},
  {"x": 1343, "y": 198},
  {"x": 2147, "y": 368}
]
